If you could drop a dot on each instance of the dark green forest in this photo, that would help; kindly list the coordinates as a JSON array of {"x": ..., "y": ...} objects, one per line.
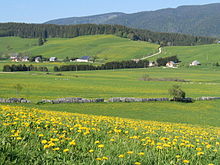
[
  {"x": 69, "y": 31},
  {"x": 201, "y": 20}
]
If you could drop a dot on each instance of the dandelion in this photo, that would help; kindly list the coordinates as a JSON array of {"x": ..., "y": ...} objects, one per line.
[
  {"x": 40, "y": 135},
  {"x": 18, "y": 138},
  {"x": 56, "y": 149},
  {"x": 96, "y": 142},
  {"x": 186, "y": 161},
  {"x": 137, "y": 163},
  {"x": 73, "y": 143},
  {"x": 178, "y": 156},
  {"x": 105, "y": 158},
  {"x": 101, "y": 146},
  {"x": 91, "y": 151},
  {"x": 66, "y": 150},
  {"x": 46, "y": 146},
  {"x": 130, "y": 152},
  {"x": 44, "y": 141},
  {"x": 121, "y": 156},
  {"x": 112, "y": 140},
  {"x": 200, "y": 153},
  {"x": 141, "y": 153},
  {"x": 98, "y": 159}
]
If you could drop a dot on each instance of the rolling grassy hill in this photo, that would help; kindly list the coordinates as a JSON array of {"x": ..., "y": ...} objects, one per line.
[
  {"x": 206, "y": 54},
  {"x": 15, "y": 44},
  {"x": 106, "y": 47}
]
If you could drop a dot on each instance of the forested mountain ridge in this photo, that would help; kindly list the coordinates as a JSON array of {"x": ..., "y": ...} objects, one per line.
[
  {"x": 96, "y": 19},
  {"x": 202, "y": 20},
  {"x": 70, "y": 31}
]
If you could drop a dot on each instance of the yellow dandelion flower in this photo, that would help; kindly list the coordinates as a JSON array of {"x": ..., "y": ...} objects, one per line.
[
  {"x": 44, "y": 141},
  {"x": 101, "y": 145},
  {"x": 56, "y": 149},
  {"x": 91, "y": 151},
  {"x": 198, "y": 149},
  {"x": 46, "y": 146},
  {"x": 73, "y": 143},
  {"x": 186, "y": 161},
  {"x": 137, "y": 163},
  {"x": 98, "y": 159},
  {"x": 121, "y": 156},
  {"x": 96, "y": 142},
  {"x": 141, "y": 153},
  {"x": 40, "y": 135},
  {"x": 105, "y": 158},
  {"x": 178, "y": 156},
  {"x": 112, "y": 140},
  {"x": 66, "y": 150},
  {"x": 130, "y": 152},
  {"x": 18, "y": 138},
  {"x": 200, "y": 153}
]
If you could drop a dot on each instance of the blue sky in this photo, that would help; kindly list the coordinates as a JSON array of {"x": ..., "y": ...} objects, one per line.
[{"x": 39, "y": 11}]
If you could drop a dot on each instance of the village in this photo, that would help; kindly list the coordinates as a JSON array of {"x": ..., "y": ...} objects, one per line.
[{"x": 88, "y": 59}]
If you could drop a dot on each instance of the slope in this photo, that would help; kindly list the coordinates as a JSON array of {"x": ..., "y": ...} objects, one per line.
[
  {"x": 104, "y": 47},
  {"x": 206, "y": 54},
  {"x": 202, "y": 20}
]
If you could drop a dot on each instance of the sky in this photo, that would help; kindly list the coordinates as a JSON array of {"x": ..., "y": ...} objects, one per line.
[{"x": 39, "y": 11}]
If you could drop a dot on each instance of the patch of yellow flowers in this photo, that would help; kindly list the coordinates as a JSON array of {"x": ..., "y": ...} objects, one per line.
[{"x": 107, "y": 139}]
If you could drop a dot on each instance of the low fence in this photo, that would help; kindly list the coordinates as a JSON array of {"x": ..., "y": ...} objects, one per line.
[{"x": 100, "y": 100}]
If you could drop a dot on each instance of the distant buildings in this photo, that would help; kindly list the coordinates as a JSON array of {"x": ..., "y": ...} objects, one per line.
[
  {"x": 152, "y": 64},
  {"x": 171, "y": 64},
  {"x": 195, "y": 63},
  {"x": 18, "y": 58},
  {"x": 83, "y": 59},
  {"x": 53, "y": 59},
  {"x": 38, "y": 59}
]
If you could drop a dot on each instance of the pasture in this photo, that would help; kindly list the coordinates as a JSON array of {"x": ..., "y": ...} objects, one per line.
[
  {"x": 122, "y": 83},
  {"x": 206, "y": 54},
  {"x": 32, "y": 136},
  {"x": 103, "y": 47}
]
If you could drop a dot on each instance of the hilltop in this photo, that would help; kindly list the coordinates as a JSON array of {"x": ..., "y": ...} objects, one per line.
[{"x": 202, "y": 20}]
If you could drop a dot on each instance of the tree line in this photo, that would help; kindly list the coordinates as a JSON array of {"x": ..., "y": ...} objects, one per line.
[
  {"x": 107, "y": 66},
  {"x": 163, "y": 61},
  {"x": 20, "y": 67},
  {"x": 44, "y": 31}
]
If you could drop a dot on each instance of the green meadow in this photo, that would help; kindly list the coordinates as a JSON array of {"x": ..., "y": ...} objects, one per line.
[
  {"x": 206, "y": 54},
  {"x": 103, "y": 47},
  {"x": 122, "y": 83},
  {"x": 110, "y": 83}
]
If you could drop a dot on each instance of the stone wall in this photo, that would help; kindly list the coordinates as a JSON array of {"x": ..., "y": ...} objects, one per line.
[
  {"x": 73, "y": 100},
  {"x": 14, "y": 100},
  {"x": 132, "y": 99},
  {"x": 207, "y": 98}
]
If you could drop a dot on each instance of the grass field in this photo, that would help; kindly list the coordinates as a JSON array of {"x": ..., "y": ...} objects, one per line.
[
  {"x": 106, "y": 84},
  {"x": 122, "y": 83},
  {"x": 105, "y": 47},
  {"x": 32, "y": 136},
  {"x": 206, "y": 54}
]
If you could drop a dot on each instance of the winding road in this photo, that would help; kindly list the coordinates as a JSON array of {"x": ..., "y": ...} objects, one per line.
[{"x": 159, "y": 52}]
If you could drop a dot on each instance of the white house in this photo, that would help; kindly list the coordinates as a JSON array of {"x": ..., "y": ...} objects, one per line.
[
  {"x": 83, "y": 59},
  {"x": 37, "y": 59},
  {"x": 171, "y": 64},
  {"x": 53, "y": 59},
  {"x": 195, "y": 63},
  {"x": 152, "y": 64},
  {"x": 25, "y": 59}
]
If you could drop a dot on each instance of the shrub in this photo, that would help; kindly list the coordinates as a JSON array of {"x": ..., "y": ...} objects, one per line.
[{"x": 177, "y": 93}]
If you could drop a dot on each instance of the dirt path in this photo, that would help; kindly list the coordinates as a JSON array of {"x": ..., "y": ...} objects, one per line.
[{"x": 159, "y": 52}]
